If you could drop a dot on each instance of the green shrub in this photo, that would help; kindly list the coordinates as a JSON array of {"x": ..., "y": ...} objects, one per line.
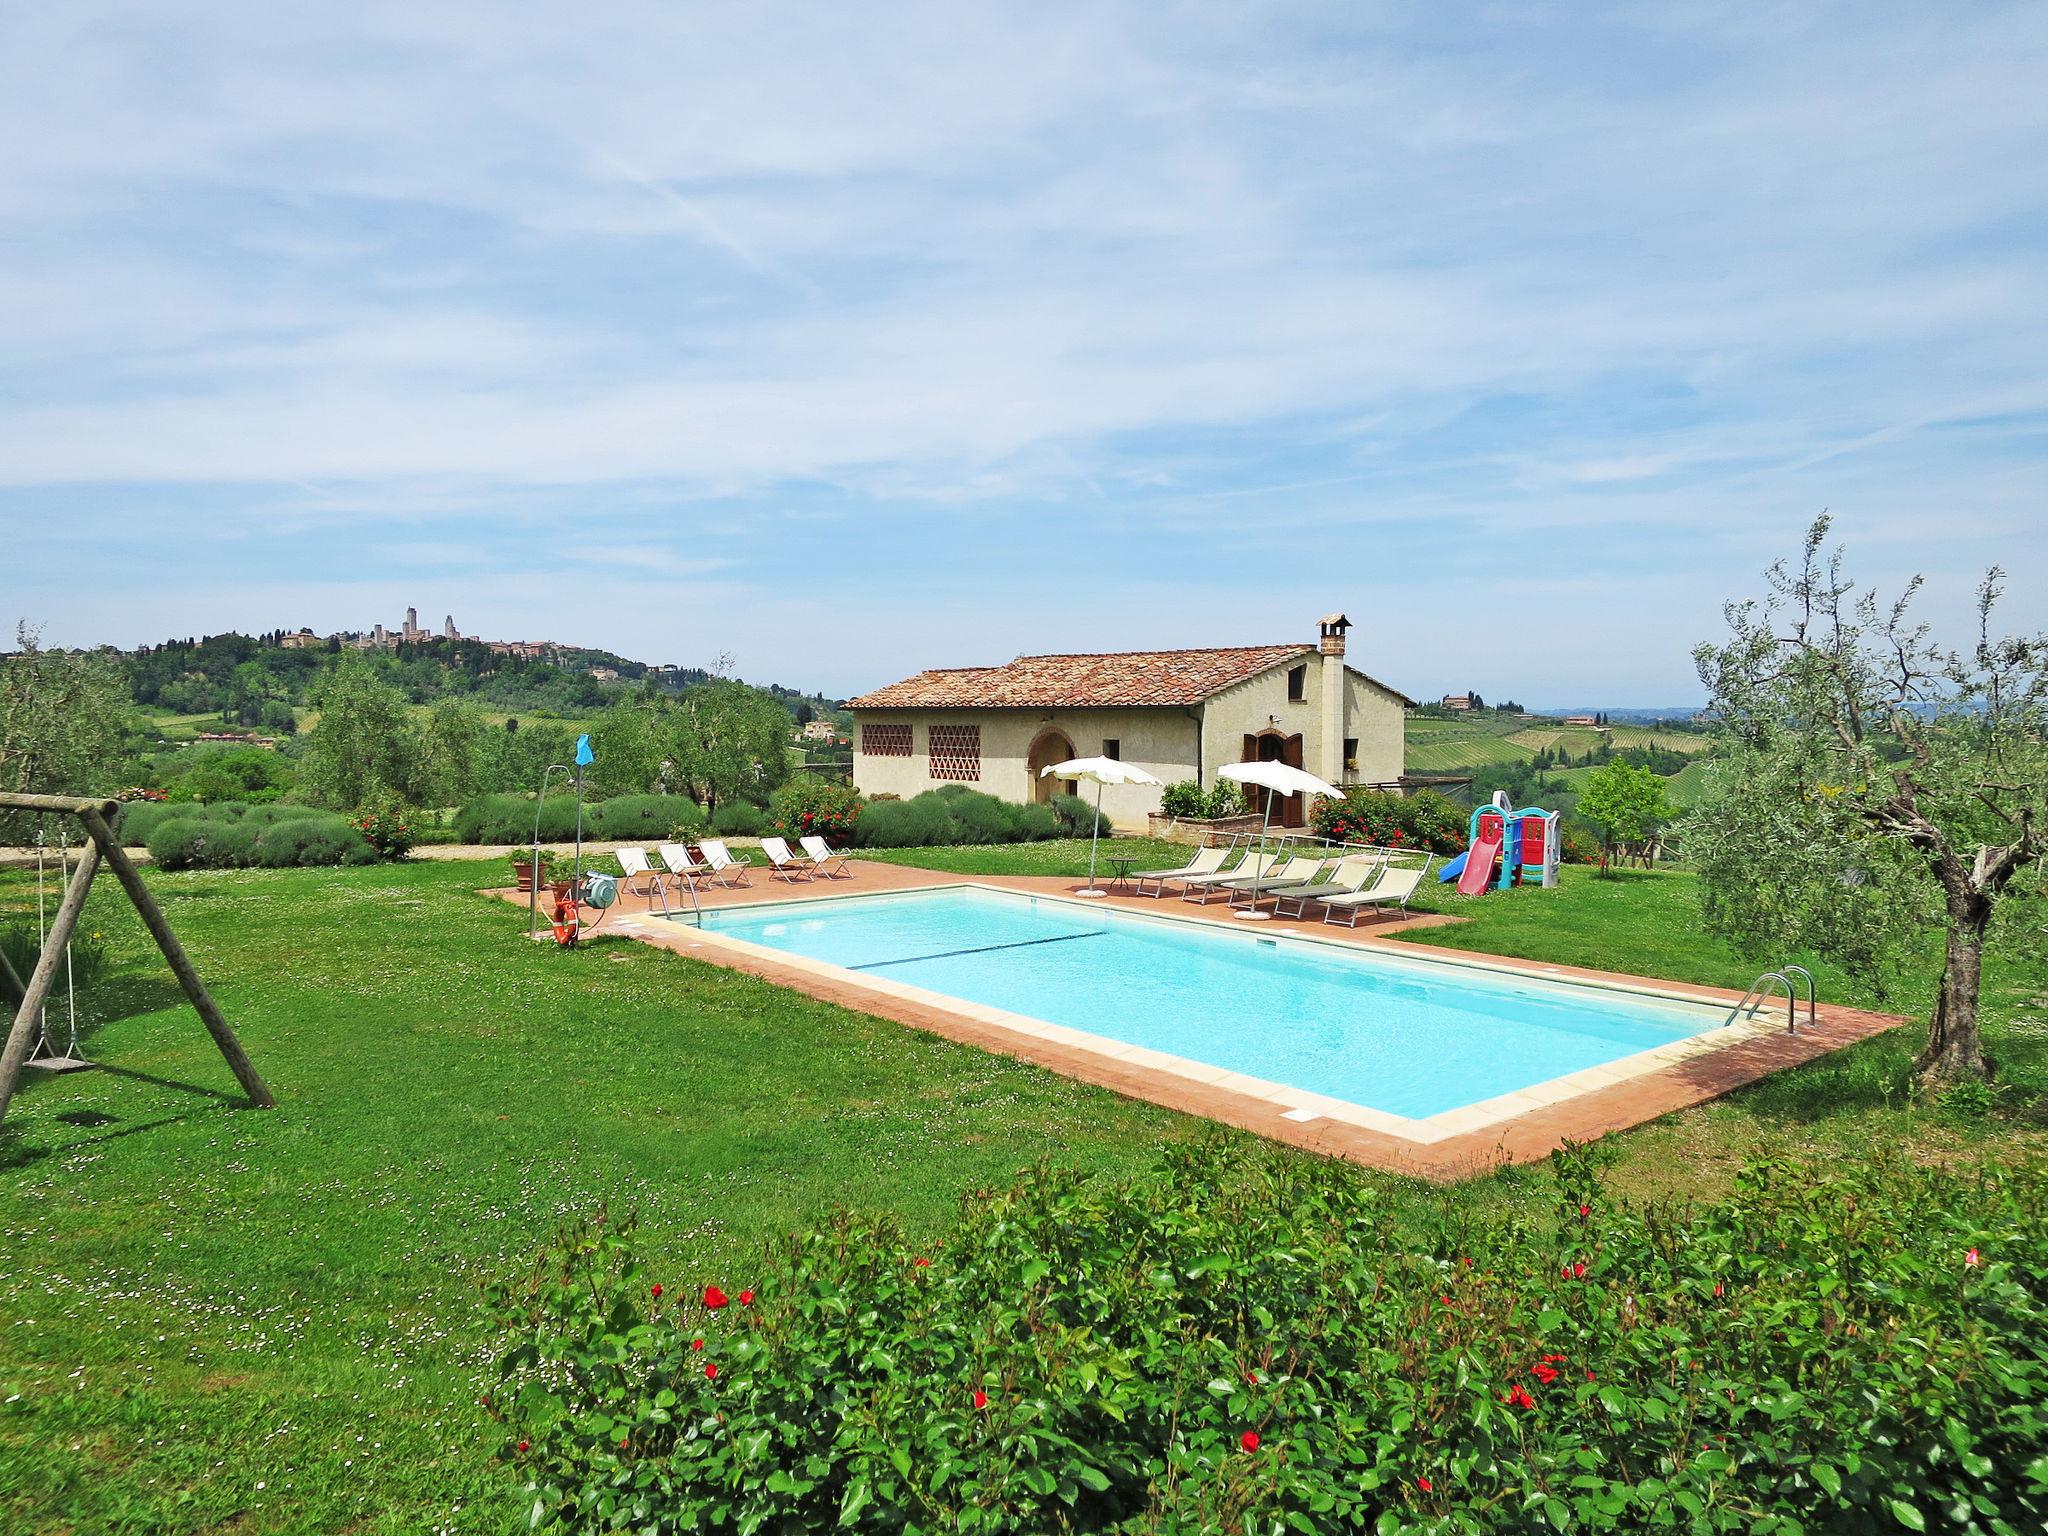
[
  {"x": 386, "y": 825},
  {"x": 1077, "y": 817},
  {"x": 229, "y": 845},
  {"x": 138, "y": 818},
  {"x": 1386, "y": 819},
  {"x": 178, "y": 843},
  {"x": 979, "y": 818},
  {"x": 686, "y": 819},
  {"x": 490, "y": 814},
  {"x": 739, "y": 819},
  {"x": 898, "y": 823},
  {"x": 509, "y": 819},
  {"x": 1184, "y": 799},
  {"x": 1254, "y": 1341},
  {"x": 635, "y": 818},
  {"x": 809, "y": 805},
  {"x": 1037, "y": 823},
  {"x": 88, "y": 961},
  {"x": 1225, "y": 798}
]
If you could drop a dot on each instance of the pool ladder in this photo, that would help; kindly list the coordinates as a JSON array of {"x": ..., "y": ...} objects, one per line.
[
  {"x": 661, "y": 890},
  {"x": 1760, "y": 991}
]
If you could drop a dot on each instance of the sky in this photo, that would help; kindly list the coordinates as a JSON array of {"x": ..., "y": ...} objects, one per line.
[{"x": 847, "y": 340}]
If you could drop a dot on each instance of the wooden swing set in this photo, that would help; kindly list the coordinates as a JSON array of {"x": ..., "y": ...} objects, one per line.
[{"x": 31, "y": 996}]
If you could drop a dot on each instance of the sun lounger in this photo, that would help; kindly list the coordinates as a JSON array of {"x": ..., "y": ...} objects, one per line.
[
  {"x": 1302, "y": 869},
  {"x": 824, "y": 858},
  {"x": 784, "y": 865},
  {"x": 634, "y": 866},
  {"x": 1196, "y": 888},
  {"x": 1393, "y": 887},
  {"x": 684, "y": 867},
  {"x": 724, "y": 868},
  {"x": 1207, "y": 861},
  {"x": 1350, "y": 876}
]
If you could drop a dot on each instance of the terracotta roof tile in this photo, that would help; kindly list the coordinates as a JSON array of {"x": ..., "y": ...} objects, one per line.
[{"x": 1165, "y": 678}]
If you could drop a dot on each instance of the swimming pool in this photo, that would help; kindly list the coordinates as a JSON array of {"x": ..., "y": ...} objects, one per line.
[{"x": 1407, "y": 1038}]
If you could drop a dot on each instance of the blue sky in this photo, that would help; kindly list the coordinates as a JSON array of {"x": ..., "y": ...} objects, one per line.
[{"x": 849, "y": 341}]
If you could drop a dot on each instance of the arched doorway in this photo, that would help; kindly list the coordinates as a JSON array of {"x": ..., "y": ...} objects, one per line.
[
  {"x": 1274, "y": 746},
  {"x": 1050, "y": 747}
]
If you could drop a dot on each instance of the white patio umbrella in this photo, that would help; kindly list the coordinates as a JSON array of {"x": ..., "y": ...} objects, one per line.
[
  {"x": 1098, "y": 771},
  {"x": 1278, "y": 779}
]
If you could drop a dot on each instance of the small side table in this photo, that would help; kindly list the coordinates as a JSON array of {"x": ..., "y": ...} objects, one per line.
[{"x": 1121, "y": 863}]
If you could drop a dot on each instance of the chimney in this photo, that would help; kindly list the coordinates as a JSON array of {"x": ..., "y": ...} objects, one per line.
[{"x": 1330, "y": 643}]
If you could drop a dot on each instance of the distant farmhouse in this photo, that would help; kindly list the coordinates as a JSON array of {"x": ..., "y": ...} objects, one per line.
[
  {"x": 1457, "y": 701},
  {"x": 1177, "y": 714}
]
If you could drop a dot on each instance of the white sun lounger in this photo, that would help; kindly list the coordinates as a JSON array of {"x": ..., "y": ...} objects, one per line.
[
  {"x": 1350, "y": 876},
  {"x": 684, "y": 866},
  {"x": 1393, "y": 887},
  {"x": 1302, "y": 869},
  {"x": 724, "y": 867},
  {"x": 1196, "y": 888},
  {"x": 634, "y": 866},
  {"x": 784, "y": 865},
  {"x": 1207, "y": 861},
  {"x": 824, "y": 858}
]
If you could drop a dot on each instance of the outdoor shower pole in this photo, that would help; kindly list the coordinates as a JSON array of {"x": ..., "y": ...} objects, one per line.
[{"x": 533, "y": 869}]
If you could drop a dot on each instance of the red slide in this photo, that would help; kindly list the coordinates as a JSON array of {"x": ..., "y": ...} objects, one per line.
[{"x": 1479, "y": 866}]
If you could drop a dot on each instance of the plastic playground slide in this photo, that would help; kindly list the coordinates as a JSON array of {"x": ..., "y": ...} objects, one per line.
[
  {"x": 1452, "y": 869},
  {"x": 1478, "y": 867}
]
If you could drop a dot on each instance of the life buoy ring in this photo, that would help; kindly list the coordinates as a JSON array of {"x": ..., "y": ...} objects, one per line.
[{"x": 565, "y": 923}]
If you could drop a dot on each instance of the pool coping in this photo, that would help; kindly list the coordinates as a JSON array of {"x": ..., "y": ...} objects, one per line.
[{"x": 1518, "y": 1126}]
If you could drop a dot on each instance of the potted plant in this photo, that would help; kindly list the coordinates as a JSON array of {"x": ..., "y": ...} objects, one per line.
[{"x": 553, "y": 870}]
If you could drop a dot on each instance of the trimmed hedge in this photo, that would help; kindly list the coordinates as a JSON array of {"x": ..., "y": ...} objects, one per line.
[
  {"x": 643, "y": 818},
  {"x": 736, "y": 818},
  {"x": 956, "y": 814},
  {"x": 234, "y": 836},
  {"x": 1256, "y": 1341},
  {"x": 508, "y": 819}
]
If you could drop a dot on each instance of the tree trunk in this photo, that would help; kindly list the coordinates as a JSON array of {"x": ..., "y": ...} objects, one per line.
[{"x": 1954, "y": 1053}]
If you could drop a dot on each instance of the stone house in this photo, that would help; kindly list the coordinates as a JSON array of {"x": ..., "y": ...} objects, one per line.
[{"x": 1177, "y": 714}]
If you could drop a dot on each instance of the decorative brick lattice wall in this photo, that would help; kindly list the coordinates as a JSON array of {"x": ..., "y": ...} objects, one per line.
[
  {"x": 885, "y": 740},
  {"x": 956, "y": 752}
]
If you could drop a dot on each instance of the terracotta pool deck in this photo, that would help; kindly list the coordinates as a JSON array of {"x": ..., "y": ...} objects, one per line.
[{"x": 1515, "y": 1128}]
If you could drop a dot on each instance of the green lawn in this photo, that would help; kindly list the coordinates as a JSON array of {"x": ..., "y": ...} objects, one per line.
[{"x": 218, "y": 1319}]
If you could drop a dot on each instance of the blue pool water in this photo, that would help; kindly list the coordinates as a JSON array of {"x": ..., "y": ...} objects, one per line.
[{"x": 1410, "y": 1037}]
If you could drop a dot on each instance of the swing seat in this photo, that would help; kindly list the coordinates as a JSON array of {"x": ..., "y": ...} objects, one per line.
[{"x": 59, "y": 1064}]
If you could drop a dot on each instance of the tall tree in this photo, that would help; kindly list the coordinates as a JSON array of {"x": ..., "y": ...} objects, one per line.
[
  {"x": 451, "y": 760},
  {"x": 1624, "y": 804},
  {"x": 63, "y": 719},
  {"x": 628, "y": 746},
  {"x": 364, "y": 742},
  {"x": 1874, "y": 780},
  {"x": 729, "y": 742}
]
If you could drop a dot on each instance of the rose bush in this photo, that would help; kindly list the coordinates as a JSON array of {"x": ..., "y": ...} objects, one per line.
[
  {"x": 1424, "y": 820},
  {"x": 1253, "y": 1341},
  {"x": 810, "y": 806}
]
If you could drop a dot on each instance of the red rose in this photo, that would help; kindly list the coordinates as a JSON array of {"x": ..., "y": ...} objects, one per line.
[
  {"x": 746, "y": 1298},
  {"x": 655, "y": 1289},
  {"x": 714, "y": 1298},
  {"x": 711, "y": 1371},
  {"x": 525, "y": 1446},
  {"x": 920, "y": 1263},
  {"x": 1425, "y": 1485},
  {"x": 1585, "y": 1211},
  {"x": 1972, "y": 1259},
  {"x": 1248, "y": 1440},
  {"x": 1544, "y": 1373},
  {"x": 980, "y": 1398},
  {"x": 696, "y": 1343}
]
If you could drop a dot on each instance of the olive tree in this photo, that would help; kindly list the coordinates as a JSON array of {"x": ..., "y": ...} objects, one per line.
[
  {"x": 364, "y": 743},
  {"x": 63, "y": 720},
  {"x": 1624, "y": 804},
  {"x": 728, "y": 741},
  {"x": 1875, "y": 782}
]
